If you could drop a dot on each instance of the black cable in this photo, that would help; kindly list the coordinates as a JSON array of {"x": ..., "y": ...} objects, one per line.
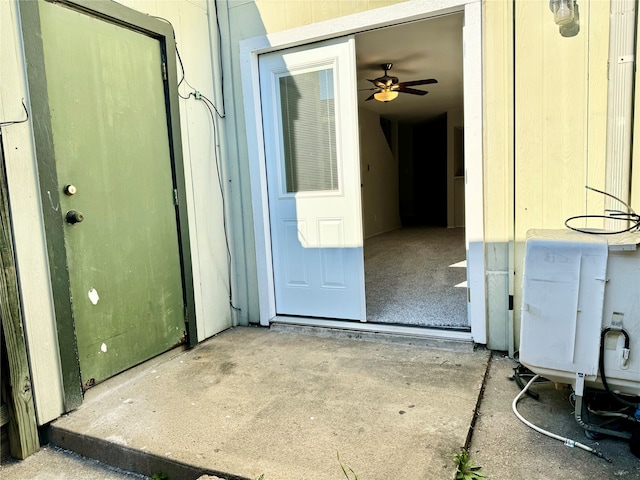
[
  {"x": 630, "y": 216},
  {"x": 619, "y": 216},
  {"x": 183, "y": 78},
  {"x": 601, "y": 365},
  {"x": 211, "y": 104},
  {"x": 224, "y": 216},
  {"x": 224, "y": 109},
  {"x": 14, "y": 122}
]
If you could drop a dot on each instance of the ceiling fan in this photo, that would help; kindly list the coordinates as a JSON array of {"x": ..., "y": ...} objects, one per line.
[{"x": 388, "y": 87}]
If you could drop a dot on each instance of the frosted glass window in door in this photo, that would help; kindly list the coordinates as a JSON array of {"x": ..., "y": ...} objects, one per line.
[{"x": 309, "y": 132}]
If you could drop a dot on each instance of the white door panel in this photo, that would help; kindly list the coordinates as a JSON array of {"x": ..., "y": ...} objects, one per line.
[{"x": 309, "y": 111}]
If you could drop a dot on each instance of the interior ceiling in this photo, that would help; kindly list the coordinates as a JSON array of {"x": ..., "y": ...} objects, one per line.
[{"x": 426, "y": 49}]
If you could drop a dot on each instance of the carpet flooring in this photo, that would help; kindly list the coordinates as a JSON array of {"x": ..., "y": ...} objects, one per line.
[{"x": 409, "y": 280}]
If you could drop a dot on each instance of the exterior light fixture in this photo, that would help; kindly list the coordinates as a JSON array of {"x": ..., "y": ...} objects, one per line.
[
  {"x": 385, "y": 95},
  {"x": 567, "y": 16}
]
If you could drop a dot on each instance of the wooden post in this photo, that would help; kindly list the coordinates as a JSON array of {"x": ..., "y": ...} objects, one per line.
[{"x": 23, "y": 428}]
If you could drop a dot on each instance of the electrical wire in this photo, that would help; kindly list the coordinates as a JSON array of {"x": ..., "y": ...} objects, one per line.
[
  {"x": 14, "y": 122},
  {"x": 603, "y": 377},
  {"x": 567, "y": 441},
  {"x": 195, "y": 93},
  {"x": 617, "y": 215},
  {"x": 215, "y": 7},
  {"x": 183, "y": 77},
  {"x": 224, "y": 217}
]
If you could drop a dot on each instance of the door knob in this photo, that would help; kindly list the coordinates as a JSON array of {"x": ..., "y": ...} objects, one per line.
[{"x": 74, "y": 216}]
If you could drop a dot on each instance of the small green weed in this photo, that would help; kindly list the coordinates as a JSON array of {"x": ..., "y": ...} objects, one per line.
[
  {"x": 160, "y": 476},
  {"x": 344, "y": 469},
  {"x": 466, "y": 469}
]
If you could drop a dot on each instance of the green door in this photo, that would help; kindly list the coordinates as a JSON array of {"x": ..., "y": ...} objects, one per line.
[{"x": 115, "y": 180}]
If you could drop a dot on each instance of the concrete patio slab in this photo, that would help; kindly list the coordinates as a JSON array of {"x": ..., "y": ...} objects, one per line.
[{"x": 254, "y": 401}]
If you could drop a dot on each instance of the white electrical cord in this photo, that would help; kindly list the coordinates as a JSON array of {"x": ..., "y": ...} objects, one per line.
[{"x": 567, "y": 441}]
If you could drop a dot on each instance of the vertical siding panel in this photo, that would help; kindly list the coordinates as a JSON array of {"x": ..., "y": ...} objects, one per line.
[
  {"x": 635, "y": 153},
  {"x": 28, "y": 228},
  {"x": 348, "y": 7},
  {"x": 298, "y": 13},
  {"x": 559, "y": 118},
  {"x": 498, "y": 166},
  {"x": 324, "y": 9},
  {"x": 529, "y": 73},
  {"x": 597, "y": 107}
]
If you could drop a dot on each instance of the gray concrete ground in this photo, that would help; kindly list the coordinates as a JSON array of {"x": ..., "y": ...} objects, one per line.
[
  {"x": 507, "y": 449},
  {"x": 52, "y": 463},
  {"x": 253, "y": 401}
]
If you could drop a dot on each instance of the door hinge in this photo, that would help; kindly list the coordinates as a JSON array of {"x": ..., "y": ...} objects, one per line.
[
  {"x": 164, "y": 71},
  {"x": 175, "y": 196},
  {"x": 510, "y": 302},
  {"x": 468, "y": 295}
]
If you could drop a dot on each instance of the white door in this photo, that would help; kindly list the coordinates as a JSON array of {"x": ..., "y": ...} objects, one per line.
[{"x": 310, "y": 121}]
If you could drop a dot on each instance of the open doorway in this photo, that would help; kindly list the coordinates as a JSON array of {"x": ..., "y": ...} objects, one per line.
[
  {"x": 345, "y": 30},
  {"x": 412, "y": 171}
]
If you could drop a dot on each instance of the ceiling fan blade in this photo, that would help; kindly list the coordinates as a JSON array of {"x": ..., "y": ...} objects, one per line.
[
  {"x": 418, "y": 82},
  {"x": 412, "y": 91},
  {"x": 370, "y": 97}
]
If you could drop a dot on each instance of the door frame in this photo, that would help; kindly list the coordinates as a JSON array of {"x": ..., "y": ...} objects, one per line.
[
  {"x": 409, "y": 11},
  {"x": 48, "y": 180}
]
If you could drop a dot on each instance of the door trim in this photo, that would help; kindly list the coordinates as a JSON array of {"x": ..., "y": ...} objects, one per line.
[
  {"x": 39, "y": 100},
  {"x": 404, "y": 12}
]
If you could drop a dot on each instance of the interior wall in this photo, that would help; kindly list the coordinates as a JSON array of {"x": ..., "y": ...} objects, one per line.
[{"x": 378, "y": 176}]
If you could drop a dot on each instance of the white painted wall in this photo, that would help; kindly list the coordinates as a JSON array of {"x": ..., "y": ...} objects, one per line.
[
  {"x": 379, "y": 178},
  {"x": 191, "y": 21}
]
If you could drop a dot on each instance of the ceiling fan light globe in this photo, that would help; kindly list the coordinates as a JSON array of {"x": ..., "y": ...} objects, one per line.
[{"x": 385, "y": 96}]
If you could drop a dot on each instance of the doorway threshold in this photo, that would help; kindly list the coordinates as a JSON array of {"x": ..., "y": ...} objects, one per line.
[{"x": 439, "y": 338}]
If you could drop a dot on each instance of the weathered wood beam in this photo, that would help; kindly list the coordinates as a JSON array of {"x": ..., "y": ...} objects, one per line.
[{"x": 23, "y": 428}]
